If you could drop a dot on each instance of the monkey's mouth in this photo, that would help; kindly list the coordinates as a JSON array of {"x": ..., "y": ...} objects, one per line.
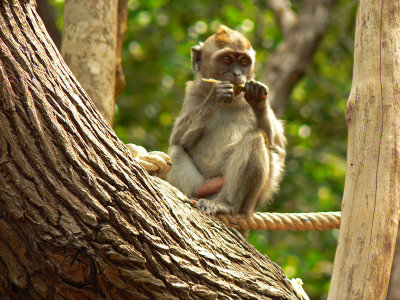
[{"x": 239, "y": 82}]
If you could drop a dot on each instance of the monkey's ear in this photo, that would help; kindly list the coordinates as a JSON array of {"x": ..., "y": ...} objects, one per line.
[{"x": 196, "y": 56}]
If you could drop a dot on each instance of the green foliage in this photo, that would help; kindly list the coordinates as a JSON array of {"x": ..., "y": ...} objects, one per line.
[{"x": 156, "y": 61}]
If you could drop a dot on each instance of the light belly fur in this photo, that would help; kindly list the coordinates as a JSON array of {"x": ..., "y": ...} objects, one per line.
[{"x": 222, "y": 133}]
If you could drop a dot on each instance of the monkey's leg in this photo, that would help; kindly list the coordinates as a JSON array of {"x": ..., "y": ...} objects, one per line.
[
  {"x": 246, "y": 174},
  {"x": 183, "y": 174}
]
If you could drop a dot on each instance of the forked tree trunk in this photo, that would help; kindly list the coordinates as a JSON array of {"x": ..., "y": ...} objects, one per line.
[
  {"x": 371, "y": 196},
  {"x": 89, "y": 46},
  {"x": 79, "y": 219}
]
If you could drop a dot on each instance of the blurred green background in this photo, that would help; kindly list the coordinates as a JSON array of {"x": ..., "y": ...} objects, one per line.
[{"x": 156, "y": 62}]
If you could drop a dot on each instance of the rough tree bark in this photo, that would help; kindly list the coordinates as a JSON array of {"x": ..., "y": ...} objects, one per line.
[
  {"x": 89, "y": 46},
  {"x": 79, "y": 219},
  {"x": 303, "y": 33},
  {"x": 371, "y": 195}
]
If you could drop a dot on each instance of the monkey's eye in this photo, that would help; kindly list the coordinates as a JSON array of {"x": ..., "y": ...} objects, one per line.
[
  {"x": 244, "y": 61},
  {"x": 227, "y": 59}
]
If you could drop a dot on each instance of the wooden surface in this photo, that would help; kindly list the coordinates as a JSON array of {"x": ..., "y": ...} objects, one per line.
[{"x": 371, "y": 195}]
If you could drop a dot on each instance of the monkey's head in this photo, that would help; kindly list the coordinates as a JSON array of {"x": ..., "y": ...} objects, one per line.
[{"x": 226, "y": 55}]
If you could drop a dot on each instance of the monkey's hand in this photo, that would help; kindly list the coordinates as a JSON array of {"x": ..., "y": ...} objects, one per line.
[
  {"x": 212, "y": 207},
  {"x": 224, "y": 92},
  {"x": 256, "y": 94}
]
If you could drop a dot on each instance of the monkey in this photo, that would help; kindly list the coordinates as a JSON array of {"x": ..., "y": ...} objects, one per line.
[{"x": 227, "y": 146}]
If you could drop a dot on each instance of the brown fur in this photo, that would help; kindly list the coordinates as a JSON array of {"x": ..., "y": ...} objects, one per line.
[
  {"x": 221, "y": 134},
  {"x": 227, "y": 37}
]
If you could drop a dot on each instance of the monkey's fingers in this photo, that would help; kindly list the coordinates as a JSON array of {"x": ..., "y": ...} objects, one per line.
[
  {"x": 262, "y": 92},
  {"x": 255, "y": 90},
  {"x": 212, "y": 207},
  {"x": 247, "y": 88}
]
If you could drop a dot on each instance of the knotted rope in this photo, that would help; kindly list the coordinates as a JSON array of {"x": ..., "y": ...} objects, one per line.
[{"x": 157, "y": 163}]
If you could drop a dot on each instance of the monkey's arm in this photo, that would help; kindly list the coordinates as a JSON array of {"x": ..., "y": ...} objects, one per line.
[
  {"x": 197, "y": 112},
  {"x": 267, "y": 122},
  {"x": 256, "y": 96},
  {"x": 186, "y": 133}
]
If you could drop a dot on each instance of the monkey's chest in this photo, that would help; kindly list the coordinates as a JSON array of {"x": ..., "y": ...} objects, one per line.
[{"x": 220, "y": 138}]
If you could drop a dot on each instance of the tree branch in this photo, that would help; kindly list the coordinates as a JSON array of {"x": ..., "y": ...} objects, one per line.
[
  {"x": 288, "y": 63},
  {"x": 285, "y": 17},
  {"x": 121, "y": 27}
]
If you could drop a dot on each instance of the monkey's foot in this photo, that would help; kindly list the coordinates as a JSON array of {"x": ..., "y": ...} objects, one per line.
[{"x": 212, "y": 207}]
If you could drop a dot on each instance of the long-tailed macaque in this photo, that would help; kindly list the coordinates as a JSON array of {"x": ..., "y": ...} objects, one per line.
[{"x": 227, "y": 147}]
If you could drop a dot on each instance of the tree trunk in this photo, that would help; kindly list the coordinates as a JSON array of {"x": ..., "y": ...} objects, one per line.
[
  {"x": 79, "y": 219},
  {"x": 89, "y": 46},
  {"x": 371, "y": 195}
]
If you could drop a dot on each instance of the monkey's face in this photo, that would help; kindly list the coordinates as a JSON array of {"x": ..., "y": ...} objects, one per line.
[
  {"x": 226, "y": 55},
  {"x": 235, "y": 67}
]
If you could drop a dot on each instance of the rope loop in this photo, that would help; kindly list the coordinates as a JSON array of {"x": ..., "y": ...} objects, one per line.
[{"x": 157, "y": 163}]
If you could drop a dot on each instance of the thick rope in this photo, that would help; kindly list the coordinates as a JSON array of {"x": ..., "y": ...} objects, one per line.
[
  {"x": 158, "y": 164},
  {"x": 283, "y": 221}
]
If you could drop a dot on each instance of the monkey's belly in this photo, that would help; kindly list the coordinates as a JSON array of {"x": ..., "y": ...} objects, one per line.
[
  {"x": 219, "y": 140},
  {"x": 209, "y": 157}
]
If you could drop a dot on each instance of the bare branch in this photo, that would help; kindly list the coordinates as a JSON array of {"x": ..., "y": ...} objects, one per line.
[
  {"x": 288, "y": 63},
  {"x": 285, "y": 17},
  {"x": 121, "y": 27}
]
